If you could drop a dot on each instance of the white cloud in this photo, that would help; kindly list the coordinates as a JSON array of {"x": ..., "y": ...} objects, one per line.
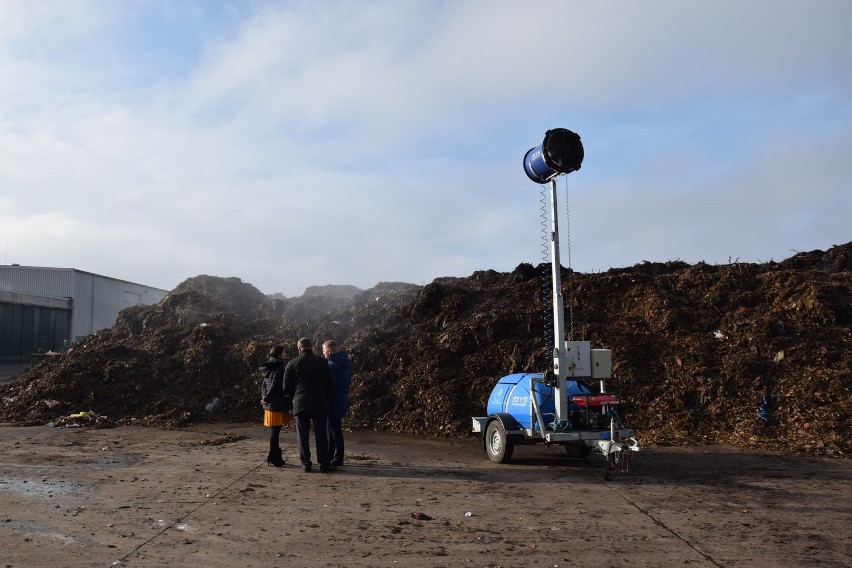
[{"x": 374, "y": 141}]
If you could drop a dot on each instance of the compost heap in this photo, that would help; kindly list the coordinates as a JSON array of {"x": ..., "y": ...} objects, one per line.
[{"x": 754, "y": 355}]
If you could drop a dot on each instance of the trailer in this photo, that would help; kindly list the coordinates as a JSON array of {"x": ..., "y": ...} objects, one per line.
[{"x": 568, "y": 404}]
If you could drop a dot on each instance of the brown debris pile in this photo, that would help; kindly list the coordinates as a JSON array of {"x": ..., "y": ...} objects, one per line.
[{"x": 755, "y": 355}]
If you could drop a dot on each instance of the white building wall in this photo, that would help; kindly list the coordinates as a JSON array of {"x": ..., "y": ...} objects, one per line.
[
  {"x": 98, "y": 299},
  {"x": 51, "y": 282},
  {"x": 95, "y": 300}
]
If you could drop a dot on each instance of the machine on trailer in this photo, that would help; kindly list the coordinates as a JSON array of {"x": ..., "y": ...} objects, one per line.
[{"x": 558, "y": 406}]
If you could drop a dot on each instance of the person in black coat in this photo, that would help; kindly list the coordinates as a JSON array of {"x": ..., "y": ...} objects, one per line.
[
  {"x": 308, "y": 381},
  {"x": 276, "y": 404}
]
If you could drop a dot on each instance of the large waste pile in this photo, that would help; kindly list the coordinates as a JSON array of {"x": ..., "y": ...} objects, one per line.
[{"x": 754, "y": 355}]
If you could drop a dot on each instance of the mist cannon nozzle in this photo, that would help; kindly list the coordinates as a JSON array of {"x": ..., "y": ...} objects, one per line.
[{"x": 561, "y": 152}]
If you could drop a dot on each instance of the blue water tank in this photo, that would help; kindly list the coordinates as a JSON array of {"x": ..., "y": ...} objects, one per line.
[{"x": 511, "y": 395}]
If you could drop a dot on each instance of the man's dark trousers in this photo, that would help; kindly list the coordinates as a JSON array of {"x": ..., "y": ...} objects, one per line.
[
  {"x": 335, "y": 440},
  {"x": 303, "y": 437}
]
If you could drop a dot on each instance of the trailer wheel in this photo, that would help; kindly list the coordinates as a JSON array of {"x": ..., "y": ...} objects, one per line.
[
  {"x": 499, "y": 448},
  {"x": 577, "y": 450}
]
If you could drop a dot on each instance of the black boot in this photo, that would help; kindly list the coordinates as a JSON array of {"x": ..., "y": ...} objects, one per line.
[{"x": 275, "y": 458}]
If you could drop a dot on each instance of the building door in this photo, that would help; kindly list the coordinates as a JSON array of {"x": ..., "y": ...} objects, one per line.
[{"x": 30, "y": 329}]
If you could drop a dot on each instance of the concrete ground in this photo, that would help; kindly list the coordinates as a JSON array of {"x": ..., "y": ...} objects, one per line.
[{"x": 204, "y": 496}]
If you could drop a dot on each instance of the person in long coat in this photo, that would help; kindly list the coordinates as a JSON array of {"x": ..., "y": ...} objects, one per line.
[
  {"x": 276, "y": 404},
  {"x": 308, "y": 381}
]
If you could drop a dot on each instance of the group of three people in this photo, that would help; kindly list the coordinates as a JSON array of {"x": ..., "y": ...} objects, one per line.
[{"x": 314, "y": 390}]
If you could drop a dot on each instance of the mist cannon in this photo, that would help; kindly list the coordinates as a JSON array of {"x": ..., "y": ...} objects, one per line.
[
  {"x": 562, "y": 405},
  {"x": 561, "y": 152}
]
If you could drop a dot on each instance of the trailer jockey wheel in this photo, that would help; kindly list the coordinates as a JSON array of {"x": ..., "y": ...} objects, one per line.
[
  {"x": 497, "y": 446},
  {"x": 609, "y": 472}
]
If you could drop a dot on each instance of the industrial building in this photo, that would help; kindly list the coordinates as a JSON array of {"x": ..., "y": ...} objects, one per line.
[{"x": 49, "y": 309}]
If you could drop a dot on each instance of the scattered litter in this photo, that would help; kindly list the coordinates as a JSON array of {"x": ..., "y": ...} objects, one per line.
[{"x": 417, "y": 515}]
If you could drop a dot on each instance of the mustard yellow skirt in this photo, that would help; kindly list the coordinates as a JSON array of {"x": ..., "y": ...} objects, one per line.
[{"x": 276, "y": 417}]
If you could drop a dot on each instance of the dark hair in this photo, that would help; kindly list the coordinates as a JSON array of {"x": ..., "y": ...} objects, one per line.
[
  {"x": 276, "y": 350},
  {"x": 305, "y": 344}
]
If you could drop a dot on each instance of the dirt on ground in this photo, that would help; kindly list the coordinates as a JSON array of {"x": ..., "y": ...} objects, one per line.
[{"x": 203, "y": 496}]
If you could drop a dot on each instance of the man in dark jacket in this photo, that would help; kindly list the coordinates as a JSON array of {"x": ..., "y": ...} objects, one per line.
[
  {"x": 308, "y": 381},
  {"x": 338, "y": 407}
]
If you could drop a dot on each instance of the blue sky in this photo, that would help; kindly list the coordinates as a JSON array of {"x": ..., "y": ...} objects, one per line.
[{"x": 292, "y": 144}]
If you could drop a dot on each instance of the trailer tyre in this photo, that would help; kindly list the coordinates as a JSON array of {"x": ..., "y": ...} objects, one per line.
[{"x": 497, "y": 446}]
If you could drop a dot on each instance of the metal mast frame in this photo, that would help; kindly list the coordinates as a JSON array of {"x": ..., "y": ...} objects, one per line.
[{"x": 560, "y": 366}]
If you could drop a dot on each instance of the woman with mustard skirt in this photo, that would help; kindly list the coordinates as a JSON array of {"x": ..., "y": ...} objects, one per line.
[{"x": 276, "y": 405}]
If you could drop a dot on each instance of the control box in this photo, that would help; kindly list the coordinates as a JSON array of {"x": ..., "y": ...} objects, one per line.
[
  {"x": 578, "y": 359},
  {"x": 601, "y": 361}
]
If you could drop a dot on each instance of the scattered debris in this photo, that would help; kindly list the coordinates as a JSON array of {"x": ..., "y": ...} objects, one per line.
[
  {"x": 226, "y": 439},
  {"x": 83, "y": 419}
]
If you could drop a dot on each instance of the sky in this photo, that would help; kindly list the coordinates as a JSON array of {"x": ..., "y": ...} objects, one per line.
[{"x": 300, "y": 143}]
